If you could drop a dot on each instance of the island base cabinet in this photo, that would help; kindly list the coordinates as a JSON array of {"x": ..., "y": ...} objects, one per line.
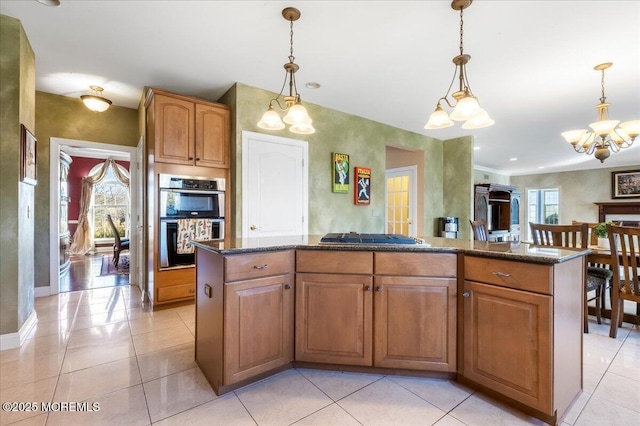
[
  {"x": 415, "y": 323},
  {"x": 258, "y": 334},
  {"x": 334, "y": 319},
  {"x": 507, "y": 341}
]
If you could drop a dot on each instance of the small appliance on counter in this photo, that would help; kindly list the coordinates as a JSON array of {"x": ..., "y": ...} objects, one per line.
[{"x": 449, "y": 227}]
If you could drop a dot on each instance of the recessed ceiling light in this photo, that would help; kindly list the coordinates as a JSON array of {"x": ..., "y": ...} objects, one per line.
[
  {"x": 476, "y": 148},
  {"x": 312, "y": 85},
  {"x": 52, "y": 3},
  {"x": 513, "y": 159},
  {"x": 541, "y": 167}
]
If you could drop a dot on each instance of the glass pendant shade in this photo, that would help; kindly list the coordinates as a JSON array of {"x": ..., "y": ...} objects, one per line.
[
  {"x": 573, "y": 136},
  {"x": 302, "y": 129},
  {"x": 271, "y": 120},
  {"x": 478, "y": 121},
  {"x": 297, "y": 114},
  {"x": 439, "y": 119},
  {"x": 465, "y": 109},
  {"x": 96, "y": 103},
  {"x": 632, "y": 128},
  {"x": 604, "y": 127}
]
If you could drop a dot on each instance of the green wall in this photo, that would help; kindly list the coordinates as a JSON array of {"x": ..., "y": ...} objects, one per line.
[
  {"x": 68, "y": 118},
  {"x": 17, "y": 98},
  {"x": 365, "y": 141}
]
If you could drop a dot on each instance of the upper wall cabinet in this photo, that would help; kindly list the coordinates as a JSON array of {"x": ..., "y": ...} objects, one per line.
[{"x": 188, "y": 131}]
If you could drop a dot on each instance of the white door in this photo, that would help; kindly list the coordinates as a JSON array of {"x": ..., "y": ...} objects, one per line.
[
  {"x": 400, "y": 202},
  {"x": 274, "y": 186}
]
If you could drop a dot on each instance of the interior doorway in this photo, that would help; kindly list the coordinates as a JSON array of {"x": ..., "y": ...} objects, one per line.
[
  {"x": 89, "y": 265},
  {"x": 400, "y": 208}
]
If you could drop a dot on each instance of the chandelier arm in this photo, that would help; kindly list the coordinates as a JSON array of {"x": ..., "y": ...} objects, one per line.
[
  {"x": 467, "y": 86},
  {"x": 453, "y": 79},
  {"x": 613, "y": 146},
  {"x": 277, "y": 100},
  {"x": 625, "y": 143},
  {"x": 591, "y": 148}
]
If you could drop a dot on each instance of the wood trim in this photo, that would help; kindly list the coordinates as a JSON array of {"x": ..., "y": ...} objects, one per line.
[{"x": 617, "y": 208}]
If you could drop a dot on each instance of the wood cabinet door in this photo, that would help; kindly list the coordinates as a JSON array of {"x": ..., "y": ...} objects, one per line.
[
  {"x": 212, "y": 136},
  {"x": 258, "y": 326},
  {"x": 415, "y": 323},
  {"x": 507, "y": 343},
  {"x": 174, "y": 135},
  {"x": 334, "y": 318}
]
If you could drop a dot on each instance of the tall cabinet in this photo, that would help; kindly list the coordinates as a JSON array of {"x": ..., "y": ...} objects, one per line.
[
  {"x": 499, "y": 207},
  {"x": 185, "y": 137}
]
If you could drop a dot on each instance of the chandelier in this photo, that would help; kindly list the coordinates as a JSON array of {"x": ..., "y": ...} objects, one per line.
[
  {"x": 297, "y": 115},
  {"x": 605, "y": 137},
  {"x": 96, "y": 102},
  {"x": 465, "y": 106}
]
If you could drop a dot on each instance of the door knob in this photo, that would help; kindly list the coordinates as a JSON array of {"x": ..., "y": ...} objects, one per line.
[
  {"x": 466, "y": 294},
  {"x": 253, "y": 227}
]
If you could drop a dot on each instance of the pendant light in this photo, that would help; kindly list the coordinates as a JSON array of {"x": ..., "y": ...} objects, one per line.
[
  {"x": 297, "y": 115},
  {"x": 465, "y": 105},
  {"x": 605, "y": 137},
  {"x": 96, "y": 102}
]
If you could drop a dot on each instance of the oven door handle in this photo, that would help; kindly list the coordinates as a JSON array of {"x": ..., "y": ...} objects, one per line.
[{"x": 192, "y": 191}]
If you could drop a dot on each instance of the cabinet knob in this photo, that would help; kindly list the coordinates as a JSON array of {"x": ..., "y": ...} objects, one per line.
[
  {"x": 190, "y": 158},
  {"x": 197, "y": 159},
  {"x": 287, "y": 286},
  {"x": 378, "y": 288},
  {"x": 367, "y": 288},
  {"x": 466, "y": 294}
]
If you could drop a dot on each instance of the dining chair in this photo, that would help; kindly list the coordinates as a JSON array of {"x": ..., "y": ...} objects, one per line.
[
  {"x": 120, "y": 244},
  {"x": 625, "y": 260},
  {"x": 480, "y": 231},
  {"x": 575, "y": 236},
  {"x": 593, "y": 241}
]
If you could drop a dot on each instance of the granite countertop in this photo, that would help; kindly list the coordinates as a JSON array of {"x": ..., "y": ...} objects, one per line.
[{"x": 504, "y": 250}]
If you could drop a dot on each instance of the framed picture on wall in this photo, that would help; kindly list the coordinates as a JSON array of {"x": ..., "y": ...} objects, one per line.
[
  {"x": 27, "y": 156},
  {"x": 362, "y": 193},
  {"x": 340, "y": 163},
  {"x": 625, "y": 184}
]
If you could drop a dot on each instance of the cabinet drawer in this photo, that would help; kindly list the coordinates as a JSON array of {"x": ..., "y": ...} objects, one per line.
[
  {"x": 175, "y": 292},
  {"x": 416, "y": 264},
  {"x": 334, "y": 262},
  {"x": 519, "y": 275},
  {"x": 248, "y": 266}
]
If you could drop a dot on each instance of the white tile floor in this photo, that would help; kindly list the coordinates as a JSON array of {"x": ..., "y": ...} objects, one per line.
[{"x": 99, "y": 346}]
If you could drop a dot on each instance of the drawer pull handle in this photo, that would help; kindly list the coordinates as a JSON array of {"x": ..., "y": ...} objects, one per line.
[
  {"x": 466, "y": 294},
  {"x": 287, "y": 286},
  {"x": 260, "y": 266},
  {"x": 501, "y": 274}
]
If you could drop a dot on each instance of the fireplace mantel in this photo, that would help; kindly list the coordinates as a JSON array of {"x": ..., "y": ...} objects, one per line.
[{"x": 620, "y": 208}]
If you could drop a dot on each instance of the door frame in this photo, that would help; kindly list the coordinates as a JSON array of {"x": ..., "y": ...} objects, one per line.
[
  {"x": 246, "y": 136},
  {"x": 412, "y": 172},
  {"x": 135, "y": 190}
]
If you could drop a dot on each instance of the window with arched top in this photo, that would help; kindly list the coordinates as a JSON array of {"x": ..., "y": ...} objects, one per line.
[{"x": 111, "y": 197}]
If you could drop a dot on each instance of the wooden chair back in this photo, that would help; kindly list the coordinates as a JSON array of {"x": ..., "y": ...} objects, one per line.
[
  {"x": 593, "y": 237},
  {"x": 625, "y": 264},
  {"x": 480, "y": 231},
  {"x": 116, "y": 235},
  {"x": 574, "y": 236}
]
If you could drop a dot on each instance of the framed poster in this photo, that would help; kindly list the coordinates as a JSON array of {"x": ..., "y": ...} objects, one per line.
[
  {"x": 362, "y": 194},
  {"x": 340, "y": 164},
  {"x": 625, "y": 184},
  {"x": 27, "y": 156}
]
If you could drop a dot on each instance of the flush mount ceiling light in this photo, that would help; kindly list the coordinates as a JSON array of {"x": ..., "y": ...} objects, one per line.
[
  {"x": 297, "y": 115},
  {"x": 96, "y": 102},
  {"x": 465, "y": 106},
  {"x": 605, "y": 137}
]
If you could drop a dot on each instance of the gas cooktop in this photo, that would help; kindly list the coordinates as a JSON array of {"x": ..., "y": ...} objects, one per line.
[{"x": 357, "y": 238}]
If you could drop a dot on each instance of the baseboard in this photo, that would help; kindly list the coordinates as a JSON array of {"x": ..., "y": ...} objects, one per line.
[
  {"x": 42, "y": 291},
  {"x": 15, "y": 340}
]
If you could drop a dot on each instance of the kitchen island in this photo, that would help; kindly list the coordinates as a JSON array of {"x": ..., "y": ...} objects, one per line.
[{"x": 505, "y": 318}]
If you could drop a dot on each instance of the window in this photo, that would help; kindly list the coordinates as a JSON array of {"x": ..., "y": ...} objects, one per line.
[
  {"x": 109, "y": 197},
  {"x": 543, "y": 205}
]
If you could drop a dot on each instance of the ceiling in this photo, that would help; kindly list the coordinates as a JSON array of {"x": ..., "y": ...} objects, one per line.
[{"x": 389, "y": 61}]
